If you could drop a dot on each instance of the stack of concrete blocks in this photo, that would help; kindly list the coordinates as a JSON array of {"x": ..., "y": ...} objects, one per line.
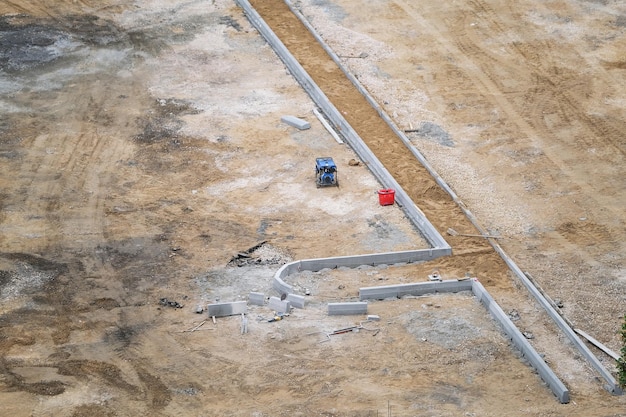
[
  {"x": 345, "y": 309},
  {"x": 280, "y": 306}
]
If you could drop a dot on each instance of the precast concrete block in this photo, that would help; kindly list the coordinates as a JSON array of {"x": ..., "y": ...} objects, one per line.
[
  {"x": 296, "y": 301},
  {"x": 378, "y": 293},
  {"x": 415, "y": 289},
  {"x": 296, "y": 122},
  {"x": 280, "y": 306},
  {"x": 227, "y": 309},
  {"x": 341, "y": 309},
  {"x": 256, "y": 298}
]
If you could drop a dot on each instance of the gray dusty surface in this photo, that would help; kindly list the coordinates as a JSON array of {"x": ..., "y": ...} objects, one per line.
[{"x": 141, "y": 150}]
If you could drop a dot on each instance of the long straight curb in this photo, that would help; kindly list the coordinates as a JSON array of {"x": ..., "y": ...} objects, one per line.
[
  {"x": 612, "y": 385},
  {"x": 430, "y": 233},
  {"x": 536, "y": 361}
]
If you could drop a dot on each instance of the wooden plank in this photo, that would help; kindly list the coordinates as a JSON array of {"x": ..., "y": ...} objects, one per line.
[{"x": 598, "y": 344}]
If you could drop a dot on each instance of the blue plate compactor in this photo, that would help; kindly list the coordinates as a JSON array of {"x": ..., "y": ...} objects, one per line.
[{"x": 325, "y": 172}]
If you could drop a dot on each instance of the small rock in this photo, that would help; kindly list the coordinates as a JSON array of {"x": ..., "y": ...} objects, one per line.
[{"x": 514, "y": 315}]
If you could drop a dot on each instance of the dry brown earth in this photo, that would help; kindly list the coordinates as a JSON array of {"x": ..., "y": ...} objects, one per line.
[{"x": 142, "y": 148}]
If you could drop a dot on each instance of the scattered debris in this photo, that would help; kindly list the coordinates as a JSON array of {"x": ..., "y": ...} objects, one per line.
[
  {"x": 345, "y": 330},
  {"x": 260, "y": 254},
  {"x": 244, "y": 324},
  {"x": 199, "y": 309},
  {"x": 373, "y": 317},
  {"x": 170, "y": 303},
  {"x": 278, "y": 317},
  {"x": 514, "y": 315},
  {"x": 196, "y": 328},
  {"x": 354, "y": 163},
  {"x": 528, "y": 335},
  {"x": 453, "y": 232},
  {"x": 432, "y": 132},
  {"x": 361, "y": 55}
]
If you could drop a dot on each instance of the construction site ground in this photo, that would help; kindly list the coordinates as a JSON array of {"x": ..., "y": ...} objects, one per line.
[{"x": 145, "y": 171}]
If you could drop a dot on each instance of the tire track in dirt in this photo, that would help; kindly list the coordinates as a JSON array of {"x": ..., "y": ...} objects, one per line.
[
  {"x": 558, "y": 91},
  {"x": 540, "y": 98}
]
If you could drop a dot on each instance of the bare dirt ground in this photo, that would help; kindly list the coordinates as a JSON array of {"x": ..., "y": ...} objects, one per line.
[{"x": 142, "y": 149}]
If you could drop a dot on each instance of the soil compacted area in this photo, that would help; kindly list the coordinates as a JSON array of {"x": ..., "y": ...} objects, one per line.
[{"x": 146, "y": 171}]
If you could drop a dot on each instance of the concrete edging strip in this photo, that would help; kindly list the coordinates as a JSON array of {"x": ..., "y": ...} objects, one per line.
[
  {"x": 547, "y": 375},
  {"x": 353, "y": 261}
]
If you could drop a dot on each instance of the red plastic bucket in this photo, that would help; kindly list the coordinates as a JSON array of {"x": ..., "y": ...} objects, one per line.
[{"x": 386, "y": 197}]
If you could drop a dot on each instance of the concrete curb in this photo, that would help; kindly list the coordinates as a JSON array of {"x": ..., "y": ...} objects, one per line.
[
  {"x": 419, "y": 288},
  {"x": 518, "y": 339},
  {"x": 376, "y": 259},
  {"x": 346, "y": 309}
]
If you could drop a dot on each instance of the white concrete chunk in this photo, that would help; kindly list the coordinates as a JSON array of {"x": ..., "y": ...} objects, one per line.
[{"x": 296, "y": 122}]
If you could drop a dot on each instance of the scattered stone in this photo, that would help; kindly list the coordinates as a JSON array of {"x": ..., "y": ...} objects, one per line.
[
  {"x": 373, "y": 317},
  {"x": 528, "y": 335},
  {"x": 354, "y": 163},
  {"x": 514, "y": 315},
  {"x": 170, "y": 303}
]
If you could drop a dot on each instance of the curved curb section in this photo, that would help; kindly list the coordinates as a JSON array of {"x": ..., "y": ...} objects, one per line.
[
  {"x": 479, "y": 291},
  {"x": 439, "y": 246},
  {"x": 376, "y": 259}
]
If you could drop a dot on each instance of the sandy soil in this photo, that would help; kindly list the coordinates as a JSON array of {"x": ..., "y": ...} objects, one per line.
[{"x": 142, "y": 149}]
